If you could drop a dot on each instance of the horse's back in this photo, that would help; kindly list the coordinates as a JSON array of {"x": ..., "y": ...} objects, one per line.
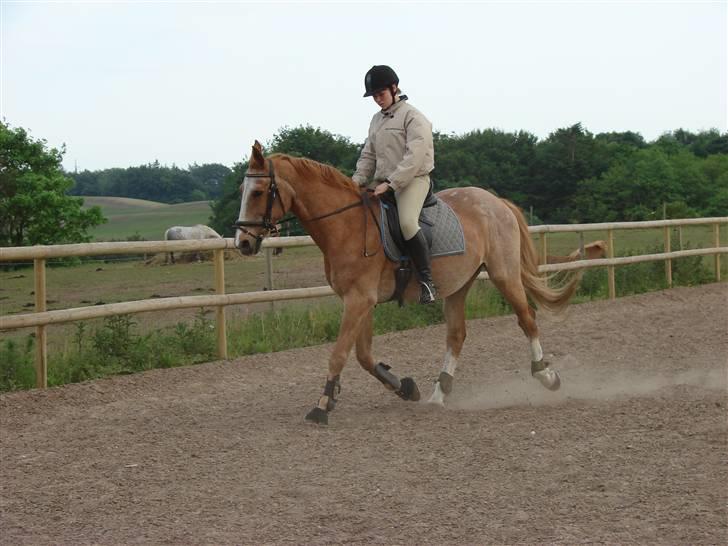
[
  {"x": 186, "y": 233},
  {"x": 174, "y": 234},
  {"x": 490, "y": 227},
  {"x": 207, "y": 232},
  {"x": 474, "y": 204}
]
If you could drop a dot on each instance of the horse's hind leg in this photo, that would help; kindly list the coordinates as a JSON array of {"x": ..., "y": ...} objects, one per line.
[
  {"x": 513, "y": 291},
  {"x": 455, "y": 318}
]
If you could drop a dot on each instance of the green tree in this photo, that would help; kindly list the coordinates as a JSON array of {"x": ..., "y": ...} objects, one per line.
[
  {"x": 702, "y": 144},
  {"x": 635, "y": 188},
  {"x": 317, "y": 144},
  {"x": 491, "y": 159},
  {"x": 209, "y": 178},
  {"x": 154, "y": 182},
  {"x": 34, "y": 206},
  {"x": 225, "y": 210},
  {"x": 715, "y": 168},
  {"x": 568, "y": 156}
]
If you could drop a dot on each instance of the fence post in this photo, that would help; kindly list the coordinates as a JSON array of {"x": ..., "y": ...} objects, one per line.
[
  {"x": 219, "y": 260},
  {"x": 610, "y": 268},
  {"x": 41, "y": 350},
  {"x": 269, "y": 272},
  {"x": 716, "y": 243},
  {"x": 668, "y": 262},
  {"x": 680, "y": 236}
]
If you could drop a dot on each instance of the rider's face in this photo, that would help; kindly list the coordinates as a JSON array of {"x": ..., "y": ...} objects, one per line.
[{"x": 383, "y": 98}]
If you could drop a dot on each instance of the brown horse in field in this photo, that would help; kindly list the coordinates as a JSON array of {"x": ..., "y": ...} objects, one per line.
[
  {"x": 592, "y": 251},
  {"x": 342, "y": 221}
]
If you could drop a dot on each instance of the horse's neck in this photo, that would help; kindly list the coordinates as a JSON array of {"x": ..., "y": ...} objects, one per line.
[{"x": 316, "y": 198}]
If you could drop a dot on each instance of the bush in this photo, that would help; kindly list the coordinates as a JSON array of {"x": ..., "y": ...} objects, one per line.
[
  {"x": 197, "y": 339},
  {"x": 17, "y": 370}
]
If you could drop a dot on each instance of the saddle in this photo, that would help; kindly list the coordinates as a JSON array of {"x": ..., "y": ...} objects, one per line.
[
  {"x": 438, "y": 222},
  {"x": 389, "y": 207}
]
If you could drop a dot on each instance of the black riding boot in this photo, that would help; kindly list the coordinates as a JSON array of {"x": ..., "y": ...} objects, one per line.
[{"x": 420, "y": 254}]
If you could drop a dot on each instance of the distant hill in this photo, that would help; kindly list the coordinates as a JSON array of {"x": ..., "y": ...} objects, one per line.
[{"x": 146, "y": 219}]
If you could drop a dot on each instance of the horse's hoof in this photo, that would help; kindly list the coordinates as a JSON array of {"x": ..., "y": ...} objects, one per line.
[
  {"x": 408, "y": 390},
  {"x": 438, "y": 396},
  {"x": 549, "y": 378},
  {"x": 317, "y": 416},
  {"x": 556, "y": 385},
  {"x": 436, "y": 401}
]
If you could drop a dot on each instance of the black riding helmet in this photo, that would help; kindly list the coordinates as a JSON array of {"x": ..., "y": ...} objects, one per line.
[{"x": 379, "y": 77}]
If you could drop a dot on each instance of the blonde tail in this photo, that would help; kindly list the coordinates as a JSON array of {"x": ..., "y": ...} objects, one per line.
[{"x": 537, "y": 287}]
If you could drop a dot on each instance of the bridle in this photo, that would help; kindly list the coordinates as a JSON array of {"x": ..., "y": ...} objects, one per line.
[
  {"x": 267, "y": 221},
  {"x": 269, "y": 227}
]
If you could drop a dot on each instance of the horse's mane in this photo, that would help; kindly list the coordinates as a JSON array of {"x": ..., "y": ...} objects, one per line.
[{"x": 308, "y": 168}]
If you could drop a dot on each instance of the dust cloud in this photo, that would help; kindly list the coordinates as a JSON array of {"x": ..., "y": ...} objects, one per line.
[{"x": 580, "y": 383}]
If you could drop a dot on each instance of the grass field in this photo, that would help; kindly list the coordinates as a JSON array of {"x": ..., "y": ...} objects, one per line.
[
  {"x": 99, "y": 281},
  {"x": 146, "y": 219},
  {"x": 638, "y": 240}
]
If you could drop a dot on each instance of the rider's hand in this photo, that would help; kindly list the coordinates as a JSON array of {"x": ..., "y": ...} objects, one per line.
[{"x": 381, "y": 189}]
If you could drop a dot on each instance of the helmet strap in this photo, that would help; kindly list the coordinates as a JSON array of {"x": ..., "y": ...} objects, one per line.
[{"x": 394, "y": 93}]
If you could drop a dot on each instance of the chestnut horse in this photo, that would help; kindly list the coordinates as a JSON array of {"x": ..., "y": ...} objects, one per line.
[{"x": 341, "y": 219}]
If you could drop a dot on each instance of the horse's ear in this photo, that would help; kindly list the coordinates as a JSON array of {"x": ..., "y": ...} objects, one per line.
[{"x": 256, "y": 158}]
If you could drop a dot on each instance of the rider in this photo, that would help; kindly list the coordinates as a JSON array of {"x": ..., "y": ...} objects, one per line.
[{"x": 399, "y": 154}]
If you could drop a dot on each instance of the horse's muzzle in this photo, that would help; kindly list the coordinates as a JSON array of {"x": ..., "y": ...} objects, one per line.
[
  {"x": 247, "y": 248},
  {"x": 247, "y": 244}
]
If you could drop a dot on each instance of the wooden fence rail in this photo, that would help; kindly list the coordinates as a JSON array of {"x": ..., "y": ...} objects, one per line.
[{"x": 40, "y": 254}]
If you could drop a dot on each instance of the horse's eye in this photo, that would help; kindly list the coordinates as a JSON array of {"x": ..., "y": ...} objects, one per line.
[{"x": 257, "y": 193}]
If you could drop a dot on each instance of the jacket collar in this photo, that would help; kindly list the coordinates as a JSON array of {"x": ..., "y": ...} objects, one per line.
[{"x": 389, "y": 112}]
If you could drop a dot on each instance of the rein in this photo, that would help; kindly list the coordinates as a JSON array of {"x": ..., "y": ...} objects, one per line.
[{"x": 270, "y": 227}]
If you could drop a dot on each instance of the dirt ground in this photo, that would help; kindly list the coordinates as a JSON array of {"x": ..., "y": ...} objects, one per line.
[{"x": 631, "y": 450}]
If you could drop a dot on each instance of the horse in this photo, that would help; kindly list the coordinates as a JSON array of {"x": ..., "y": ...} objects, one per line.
[
  {"x": 592, "y": 251},
  {"x": 342, "y": 221},
  {"x": 187, "y": 233}
]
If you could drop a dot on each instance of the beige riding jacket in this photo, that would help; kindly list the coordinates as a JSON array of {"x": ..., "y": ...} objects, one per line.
[{"x": 399, "y": 147}]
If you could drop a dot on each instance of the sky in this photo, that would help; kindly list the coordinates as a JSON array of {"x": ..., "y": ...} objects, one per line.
[{"x": 128, "y": 83}]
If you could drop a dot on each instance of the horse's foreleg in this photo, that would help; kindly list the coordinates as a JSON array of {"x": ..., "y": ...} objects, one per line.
[
  {"x": 356, "y": 310},
  {"x": 405, "y": 388},
  {"x": 455, "y": 318},
  {"x": 364, "y": 343}
]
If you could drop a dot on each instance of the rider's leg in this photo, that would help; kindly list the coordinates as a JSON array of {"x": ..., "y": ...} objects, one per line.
[{"x": 409, "y": 203}]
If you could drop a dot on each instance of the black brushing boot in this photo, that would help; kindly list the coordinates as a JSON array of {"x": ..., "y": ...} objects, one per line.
[{"x": 420, "y": 254}]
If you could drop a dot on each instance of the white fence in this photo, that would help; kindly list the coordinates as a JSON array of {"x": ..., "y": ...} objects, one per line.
[{"x": 41, "y": 318}]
